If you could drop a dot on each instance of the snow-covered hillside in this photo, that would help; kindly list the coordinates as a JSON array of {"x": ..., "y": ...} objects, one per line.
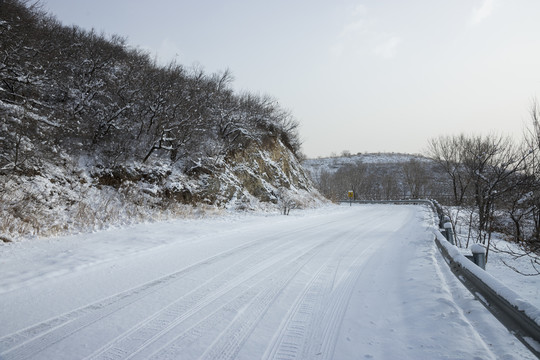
[
  {"x": 80, "y": 196},
  {"x": 94, "y": 133},
  {"x": 333, "y": 164}
]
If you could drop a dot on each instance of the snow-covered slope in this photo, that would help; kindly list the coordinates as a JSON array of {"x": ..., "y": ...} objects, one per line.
[
  {"x": 333, "y": 164},
  {"x": 94, "y": 133},
  {"x": 79, "y": 196}
]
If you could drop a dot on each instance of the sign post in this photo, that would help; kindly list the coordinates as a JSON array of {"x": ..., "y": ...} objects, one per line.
[{"x": 350, "y": 194}]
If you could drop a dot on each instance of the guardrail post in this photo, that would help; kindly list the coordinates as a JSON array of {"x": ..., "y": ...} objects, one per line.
[
  {"x": 444, "y": 219},
  {"x": 479, "y": 255},
  {"x": 449, "y": 233}
]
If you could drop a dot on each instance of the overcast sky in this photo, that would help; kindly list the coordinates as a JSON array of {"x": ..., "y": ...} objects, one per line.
[{"x": 362, "y": 76}]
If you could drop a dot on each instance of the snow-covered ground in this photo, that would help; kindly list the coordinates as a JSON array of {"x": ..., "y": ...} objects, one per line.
[
  {"x": 526, "y": 286},
  {"x": 343, "y": 282},
  {"x": 502, "y": 257}
]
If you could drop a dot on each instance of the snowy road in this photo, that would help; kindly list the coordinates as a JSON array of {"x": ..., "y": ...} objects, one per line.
[{"x": 335, "y": 283}]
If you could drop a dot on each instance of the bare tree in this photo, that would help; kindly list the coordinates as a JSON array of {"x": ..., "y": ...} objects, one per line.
[
  {"x": 492, "y": 163},
  {"x": 533, "y": 167},
  {"x": 447, "y": 151},
  {"x": 352, "y": 177},
  {"x": 525, "y": 205},
  {"x": 415, "y": 178}
]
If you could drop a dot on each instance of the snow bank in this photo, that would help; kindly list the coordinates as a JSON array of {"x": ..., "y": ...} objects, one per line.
[{"x": 477, "y": 249}]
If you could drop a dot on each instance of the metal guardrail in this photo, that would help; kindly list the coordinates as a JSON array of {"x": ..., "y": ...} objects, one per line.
[
  {"x": 522, "y": 320},
  {"x": 524, "y": 327},
  {"x": 401, "y": 201},
  {"x": 397, "y": 202},
  {"x": 433, "y": 205}
]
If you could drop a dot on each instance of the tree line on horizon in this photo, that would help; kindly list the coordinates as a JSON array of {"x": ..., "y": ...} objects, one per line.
[{"x": 415, "y": 178}]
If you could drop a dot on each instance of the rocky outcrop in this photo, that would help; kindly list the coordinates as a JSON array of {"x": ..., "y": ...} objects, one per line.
[{"x": 82, "y": 196}]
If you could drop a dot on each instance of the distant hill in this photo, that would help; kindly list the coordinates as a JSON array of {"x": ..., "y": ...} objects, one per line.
[
  {"x": 378, "y": 176},
  {"x": 333, "y": 164}
]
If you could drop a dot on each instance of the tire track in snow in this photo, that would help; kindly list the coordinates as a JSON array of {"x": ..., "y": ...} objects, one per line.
[
  {"x": 237, "y": 316},
  {"x": 34, "y": 339},
  {"x": 328, "y": 329},
  {"x": 229, "y": 342},
  {"x": 189, "y": 304},
  {"x": 24, "y": 343},
  {"x": 312, "y": 323},
  {"x": 299, "y": 320},
  {"x": 299, "y": 323}
]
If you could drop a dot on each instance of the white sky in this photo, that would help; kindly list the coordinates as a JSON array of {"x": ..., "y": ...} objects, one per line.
[{"x": 361, "y": 76}]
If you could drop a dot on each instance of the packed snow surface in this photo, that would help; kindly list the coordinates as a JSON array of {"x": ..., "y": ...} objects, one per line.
[{"x": 356, "y": 282}]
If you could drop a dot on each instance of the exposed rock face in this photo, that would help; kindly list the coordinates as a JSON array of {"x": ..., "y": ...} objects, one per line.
[
  {"x": 82, "y": 196},
  {"x": 263, "y": 172}
]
